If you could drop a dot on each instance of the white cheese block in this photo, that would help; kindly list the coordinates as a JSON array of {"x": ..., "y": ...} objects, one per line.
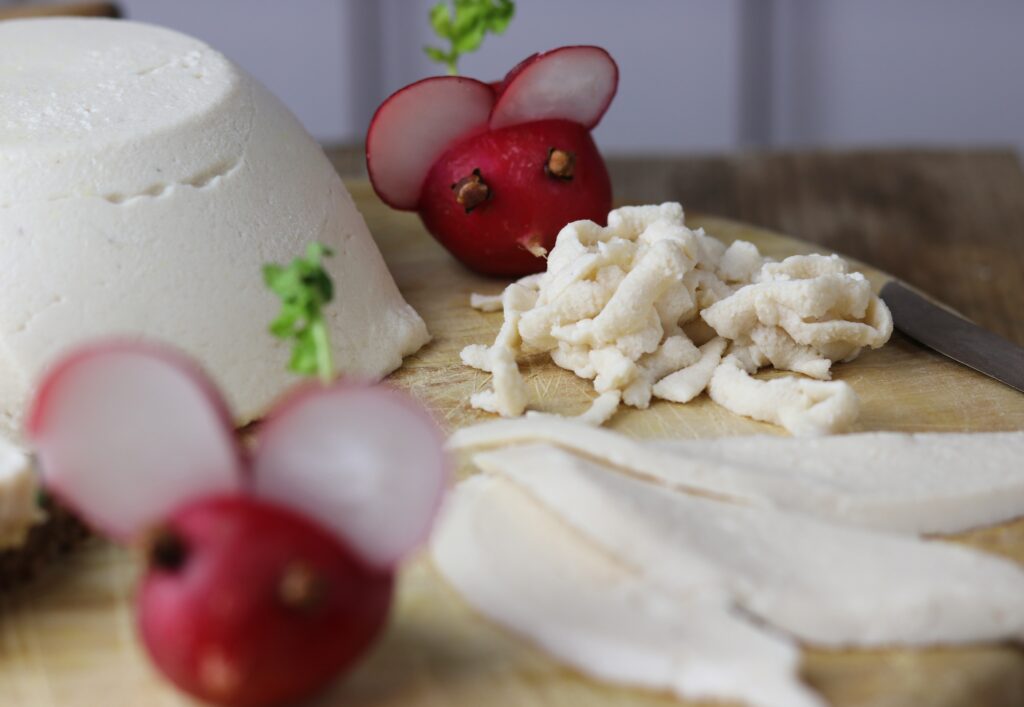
[
  {"x": 144, "y": 181},
  {"x": 520, "y": 567},
  {"x": 830, "y": 585},
  {"x": 913, "y": 483},
  {"x": 19, "y": 508}
]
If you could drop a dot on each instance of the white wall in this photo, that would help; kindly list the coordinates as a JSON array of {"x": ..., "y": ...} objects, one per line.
[
  {"x": 294, "y": 47},
  {"x": 901, "y": 71},
  {"x": 679, "y": 62},
  {"x": 696, "y": 74}
]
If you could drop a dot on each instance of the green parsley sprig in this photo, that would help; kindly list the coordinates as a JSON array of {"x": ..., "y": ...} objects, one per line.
[
  {"x": 305, "y": 288},
  {"x": 466, "y": 28}
]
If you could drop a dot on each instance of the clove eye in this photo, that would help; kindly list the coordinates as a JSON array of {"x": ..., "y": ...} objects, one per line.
[
  {"x": 166, "y": 550},
  {"x": 560, "y": 164},
  {"x": 471, "y": 191}
]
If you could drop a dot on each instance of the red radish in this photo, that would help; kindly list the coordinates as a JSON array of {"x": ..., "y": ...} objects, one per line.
[
  {"x": 247, "y": 600},
  {"x": 245, "y": 603},
  {"x": 126, "y": 432},
  {"x": 496, "y": 191},
  {"x": 365, "y": 461},
  {"x": 412, "y": 128},
  {"x": 526, "y": 208}
]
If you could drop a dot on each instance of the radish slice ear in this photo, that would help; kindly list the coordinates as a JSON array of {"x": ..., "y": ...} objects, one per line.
[
  {"x": 366, "y": 461},
  {"x": 499, "y": 86},
  {"x": 126, "y": 432},
  {"x": 570, "y": 83},
  {"x": 413, "y": 127}
]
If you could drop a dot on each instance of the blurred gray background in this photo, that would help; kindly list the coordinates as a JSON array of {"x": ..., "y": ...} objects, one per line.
[{"x": 696, "y": 75}]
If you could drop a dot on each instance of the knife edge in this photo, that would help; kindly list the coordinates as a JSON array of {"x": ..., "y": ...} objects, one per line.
[{"x": 952, "y": 335}]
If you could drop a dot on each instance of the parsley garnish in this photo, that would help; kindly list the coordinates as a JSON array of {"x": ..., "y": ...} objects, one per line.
[
  {"x": 465, "y": 30},
  {"x": 304, "y": 288}
]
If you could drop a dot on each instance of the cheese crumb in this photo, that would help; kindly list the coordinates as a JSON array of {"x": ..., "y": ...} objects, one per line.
[{"x": 627, "y": 306}]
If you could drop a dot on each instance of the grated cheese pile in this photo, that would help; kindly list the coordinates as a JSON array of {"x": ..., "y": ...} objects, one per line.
[{"x": 647, "y": 307}]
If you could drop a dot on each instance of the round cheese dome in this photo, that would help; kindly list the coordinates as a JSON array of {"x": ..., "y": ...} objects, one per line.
[{"x": 144, "y": 181}]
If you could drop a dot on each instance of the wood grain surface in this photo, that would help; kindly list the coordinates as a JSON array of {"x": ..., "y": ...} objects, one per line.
[{"x": 68, "y": 639}]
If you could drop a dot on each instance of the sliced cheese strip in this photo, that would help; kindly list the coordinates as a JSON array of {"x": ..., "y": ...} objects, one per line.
[
  {"x": 520, "y": 567},
  {"x": 828, "y": 584},
  {"x": 611, "y": 447},
  {"x": 919, "y": 483}
]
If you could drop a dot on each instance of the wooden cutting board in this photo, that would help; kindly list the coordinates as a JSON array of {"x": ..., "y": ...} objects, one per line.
[{"x": 68, "y": 640}]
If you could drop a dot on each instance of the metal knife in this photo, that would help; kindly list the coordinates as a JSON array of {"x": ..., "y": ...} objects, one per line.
[{"x": 939, "y": 328}]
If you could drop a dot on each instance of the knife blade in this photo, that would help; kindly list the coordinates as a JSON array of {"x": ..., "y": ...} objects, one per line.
[{"x": 953, "y": 336}]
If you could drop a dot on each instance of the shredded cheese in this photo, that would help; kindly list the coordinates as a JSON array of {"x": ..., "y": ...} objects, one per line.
[{"x": 628, "y": 305}]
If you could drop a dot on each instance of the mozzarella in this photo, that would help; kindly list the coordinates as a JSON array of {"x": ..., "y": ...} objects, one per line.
[
  {"x": 804, "y": 407},
  {"x": 618, "y": 305},
  {"x": 524, "y": 570},
  {"x": 828, "y": 584},
  {"x": 913, "y": 483},
  {"x": 144, "y": 181},
  {"x": 803, "y": 313},
  {"x": 688, "y": 382}
]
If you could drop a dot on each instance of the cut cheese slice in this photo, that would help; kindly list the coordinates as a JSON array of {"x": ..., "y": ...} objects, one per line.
[
  {"x": 919, "y": 483},
  {"x": 611, "y": 447},
  {"x": 827, "y": 584},
  {"x": 523, "y": 569},
  {"x": 914, "y": 483},
  {"x": 144, "y": 182}
]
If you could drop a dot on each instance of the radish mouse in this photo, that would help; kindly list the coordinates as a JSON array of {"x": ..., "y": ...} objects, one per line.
[
  {"x": 495, "y": 170},
  {"x": 269, "y": 568}
]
